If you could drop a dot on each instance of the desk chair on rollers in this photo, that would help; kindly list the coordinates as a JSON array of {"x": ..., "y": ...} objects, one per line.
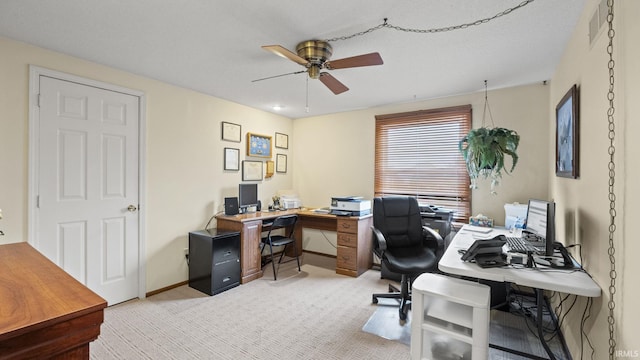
[
  {"x": 286, "y": 222},
  {"x": 404, "y": 245}
]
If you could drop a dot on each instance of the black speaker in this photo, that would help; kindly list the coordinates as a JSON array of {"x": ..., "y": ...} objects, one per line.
[
  {"x": 230, "y": 205},
  {"x": 259, "y": 206}
]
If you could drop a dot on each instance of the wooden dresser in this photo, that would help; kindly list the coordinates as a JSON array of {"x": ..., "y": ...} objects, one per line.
[{"x": 44, "y": 312}]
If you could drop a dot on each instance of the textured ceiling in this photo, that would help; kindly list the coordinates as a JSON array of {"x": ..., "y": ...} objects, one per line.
[{"x": 213, "y": 46}]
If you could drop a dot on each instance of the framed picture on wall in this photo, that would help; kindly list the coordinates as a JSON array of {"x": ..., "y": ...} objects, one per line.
[
  {"x": 258, "y": 145},
  {"x": 281, "y": 163},
  {"x": 231, "y": 131},
  {"x": 251, "y": 170},
  {"x": 567, "y": 135},
  {"x": 270, "y": 168},
  {"x": 282, "y": 141},
  {"x": 231, "y": 159}
]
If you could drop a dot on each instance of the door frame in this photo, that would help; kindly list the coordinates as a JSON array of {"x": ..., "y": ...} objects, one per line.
[{"x": 34, "y": 119}]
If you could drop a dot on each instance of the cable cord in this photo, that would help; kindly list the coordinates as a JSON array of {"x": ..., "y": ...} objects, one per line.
[
  {"x": 211, "y": 219},
  {"x": 586, "y": 314}
]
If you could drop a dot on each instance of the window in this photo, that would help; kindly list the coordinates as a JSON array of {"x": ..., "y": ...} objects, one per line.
[{"x": 417, "y": 155}]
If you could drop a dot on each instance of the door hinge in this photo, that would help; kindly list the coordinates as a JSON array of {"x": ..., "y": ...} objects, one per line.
[
  {"x": 39, "y": 98},
  {"x": 38, "y": 201}
]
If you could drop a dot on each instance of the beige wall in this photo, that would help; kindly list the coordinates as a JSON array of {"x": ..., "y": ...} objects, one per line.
[
  {"x": 340, "y": 160},
  {"x": 185, "y": 181},
  {"x": 583, "y": 204}
]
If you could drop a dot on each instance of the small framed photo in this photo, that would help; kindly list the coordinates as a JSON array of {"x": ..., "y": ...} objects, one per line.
[
  {"x": 231, "y": 132},
  {"x": 232, "y": 159},
  {"x": 282, "y": 141},
  {"x": 567, "y": 141},
  {"x": 251, "y": 170},
  {"x": 281, "y": 163},
  {"x": 270, "y": 168}
]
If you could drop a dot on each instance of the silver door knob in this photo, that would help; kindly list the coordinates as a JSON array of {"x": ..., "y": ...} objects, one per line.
[{"x": 132, "y": 208}]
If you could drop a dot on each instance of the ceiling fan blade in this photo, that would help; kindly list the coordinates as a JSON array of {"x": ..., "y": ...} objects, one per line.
[
  {"x": 332, "y": 83},
  {"x": 281, "y": 51},
  {"x": 275, "y": 76},
  {"x": 355, "y": 61}
]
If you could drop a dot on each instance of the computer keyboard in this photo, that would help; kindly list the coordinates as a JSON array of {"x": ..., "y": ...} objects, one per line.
[{"x": 516, "y": 244}]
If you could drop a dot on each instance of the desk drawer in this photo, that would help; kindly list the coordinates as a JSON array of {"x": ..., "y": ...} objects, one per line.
[
  {"x": 346, "y": 258},
  {"x": 350, "y": 240},
  {"x": 348, "y": 226}
]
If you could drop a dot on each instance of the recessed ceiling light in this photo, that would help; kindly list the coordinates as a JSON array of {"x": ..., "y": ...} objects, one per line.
[{"x": 277, "y": 107}]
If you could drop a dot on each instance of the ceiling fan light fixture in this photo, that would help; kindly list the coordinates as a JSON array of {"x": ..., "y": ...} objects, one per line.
[
  {"x": 314, "y": 55},
  {"x": 314, "y": 71},
  {"x": 314, "y": 51}
]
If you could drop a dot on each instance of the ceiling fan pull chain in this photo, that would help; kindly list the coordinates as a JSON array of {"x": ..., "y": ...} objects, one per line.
[{"x": 306, "y": 107}]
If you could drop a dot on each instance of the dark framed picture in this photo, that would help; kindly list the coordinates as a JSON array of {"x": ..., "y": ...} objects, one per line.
[
  {"x": 281, "y": 163},
  {"x": 258, "y": 145},
  {"x": 231, "y": 132},
  {"x": 251, "y": 170},
  {"x": 567, "y": 135},
  {"x": 231, "y": 159},
  {"x": 282, "y": 141}
]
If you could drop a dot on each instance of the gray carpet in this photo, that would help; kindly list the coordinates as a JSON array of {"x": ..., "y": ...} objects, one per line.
[{"x": 312, "y": 314}]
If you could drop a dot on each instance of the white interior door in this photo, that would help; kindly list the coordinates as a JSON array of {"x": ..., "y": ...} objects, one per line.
[{"x": 88, "y": 185}]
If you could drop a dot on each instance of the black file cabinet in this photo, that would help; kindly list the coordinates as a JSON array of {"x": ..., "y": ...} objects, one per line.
[{"x": 214, "y": 260}]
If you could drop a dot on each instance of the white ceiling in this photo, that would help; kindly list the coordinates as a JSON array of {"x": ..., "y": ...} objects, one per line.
[{"x": 213, "y": 46}]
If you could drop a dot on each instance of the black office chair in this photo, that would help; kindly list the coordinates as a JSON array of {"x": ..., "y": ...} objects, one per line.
[
  {"x": 287, "y": 222},
  {"x": 403, "y": 245}
]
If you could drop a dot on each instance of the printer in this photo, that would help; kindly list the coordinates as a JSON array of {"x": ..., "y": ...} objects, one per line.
[
  {"x": 438, "y": 219},
  {"x": 350, "y": 206},
  {"x": 289, "y": 200}
]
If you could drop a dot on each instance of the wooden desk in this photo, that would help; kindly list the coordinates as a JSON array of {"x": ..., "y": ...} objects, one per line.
[
  {"x": 44, "y": 312},
  {"x": 354, "y": 252}
]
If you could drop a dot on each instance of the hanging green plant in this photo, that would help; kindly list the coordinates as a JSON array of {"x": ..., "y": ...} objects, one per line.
[{"x": 484, "y": 150}]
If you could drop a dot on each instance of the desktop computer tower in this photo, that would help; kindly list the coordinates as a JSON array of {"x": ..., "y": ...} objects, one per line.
[{"x": 230, "y": 205}]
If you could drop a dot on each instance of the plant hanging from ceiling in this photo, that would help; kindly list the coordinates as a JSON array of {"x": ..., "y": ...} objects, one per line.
[{"x": 484, "y": 150}]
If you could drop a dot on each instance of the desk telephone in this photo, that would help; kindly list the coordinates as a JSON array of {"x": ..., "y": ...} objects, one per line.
[{"x": 487, "y": 253}]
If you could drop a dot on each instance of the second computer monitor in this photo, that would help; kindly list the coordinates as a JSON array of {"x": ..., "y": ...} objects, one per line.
[{"x": 541, "y": 222}]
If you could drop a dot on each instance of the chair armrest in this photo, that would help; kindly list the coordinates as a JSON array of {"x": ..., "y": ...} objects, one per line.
[
  {"x": 380, "y": 243},
  {"x": 432, "y": 238}
]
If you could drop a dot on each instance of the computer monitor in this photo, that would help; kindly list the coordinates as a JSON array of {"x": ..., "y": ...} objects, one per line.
[
  {"x": 247, "y": 196},
  {"x": 541, "y": 222}
]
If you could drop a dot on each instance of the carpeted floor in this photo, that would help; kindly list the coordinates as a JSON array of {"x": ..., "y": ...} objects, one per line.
[{"x": 314, "y": 314}]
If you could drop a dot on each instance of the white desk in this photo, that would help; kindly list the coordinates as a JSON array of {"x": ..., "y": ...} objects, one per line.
[{"x": 575, "y": 282}]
